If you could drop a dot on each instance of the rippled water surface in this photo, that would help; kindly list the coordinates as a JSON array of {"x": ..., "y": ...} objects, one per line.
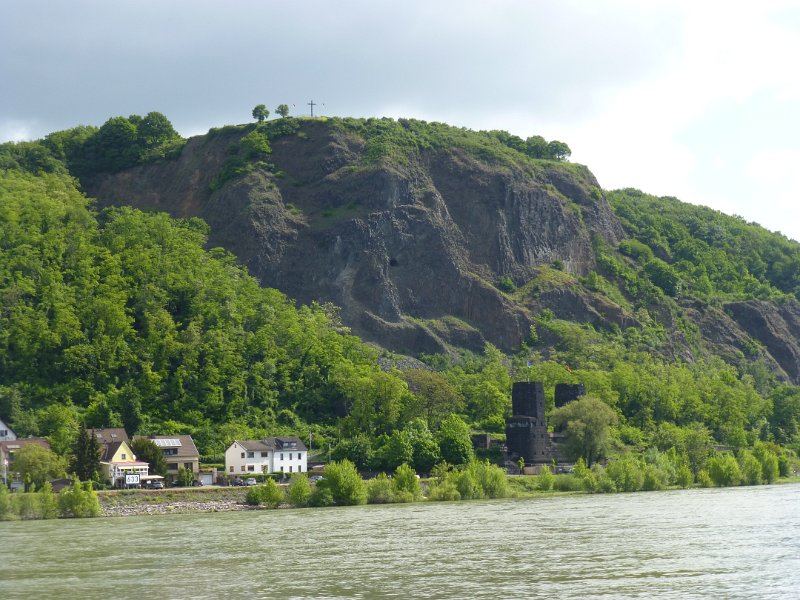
[{"x": 726, "y": 543}]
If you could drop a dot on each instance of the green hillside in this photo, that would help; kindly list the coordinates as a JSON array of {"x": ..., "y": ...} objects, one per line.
[{"x": 122, "y": 317}]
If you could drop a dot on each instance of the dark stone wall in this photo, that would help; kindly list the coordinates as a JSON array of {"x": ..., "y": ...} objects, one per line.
[
  {"x": 527, "y": 438},
  {"x": 527, "y": 399},
  {"x": 567, "y": 392}
]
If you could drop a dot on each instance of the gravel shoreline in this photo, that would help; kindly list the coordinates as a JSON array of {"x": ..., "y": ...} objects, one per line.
[{"x": 176, "y": 507}]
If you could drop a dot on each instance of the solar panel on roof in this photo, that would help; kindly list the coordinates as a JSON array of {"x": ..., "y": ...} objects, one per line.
[{"x": 167, "y": 443}]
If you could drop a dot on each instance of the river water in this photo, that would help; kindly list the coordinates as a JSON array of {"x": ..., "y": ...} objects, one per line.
[{"x": 723, "y": 543}]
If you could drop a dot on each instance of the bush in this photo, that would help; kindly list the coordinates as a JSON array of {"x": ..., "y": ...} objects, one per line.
[
  {"x": 48, "y": 502},
  {"x": 750, "y": 467},
  {"x": 321, "y": 496},
  {"x": 379, "y": 490},
  {"x": 78, "y": 501},
  {"x": 405, "y": 485},
  {"x": 491, "y": 479},
  {"x": 345, "y": 484},
  {"x": 684, "y": 476},
  {"x": 770, "y": 464},
  {"x": 444, "y": 491},
  {"x": 626, "y": 473},
  {"x": 299, "y": 492},
  {"x": 723, "y": 470},
  {"x": 464, "y": 481},
  {"x": 704, "y": 479},
  {"x": 269, "y": 494},
  {"x": 545, "y": 480},
  {"x": 5, "y": 504},
  {"x": 567, "y": 482},
  {"x": 653, "y": 478}
]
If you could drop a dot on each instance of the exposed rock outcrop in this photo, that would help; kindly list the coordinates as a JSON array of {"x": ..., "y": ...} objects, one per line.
[{"x": 410, "y": 252}]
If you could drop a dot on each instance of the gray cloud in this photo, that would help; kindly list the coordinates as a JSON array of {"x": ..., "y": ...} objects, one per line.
[{"x": 206, "y": 63}]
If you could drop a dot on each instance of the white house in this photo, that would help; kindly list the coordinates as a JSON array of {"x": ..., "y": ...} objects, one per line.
[
  {"x": 269, "y": 455},
  {"x": 6, "y": 435}
]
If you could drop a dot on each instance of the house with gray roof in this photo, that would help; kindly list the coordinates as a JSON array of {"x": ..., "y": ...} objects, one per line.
[{"x": 285, "y": 454}]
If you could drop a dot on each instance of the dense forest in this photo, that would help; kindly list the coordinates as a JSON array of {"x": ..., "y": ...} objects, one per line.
[{"x": 124, "y": 318}]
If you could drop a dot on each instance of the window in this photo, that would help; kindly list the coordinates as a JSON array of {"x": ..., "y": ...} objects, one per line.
[
  {"x": 290, "y": 456},
  {"x": 231, "y": 468},
  {"x": 290, "y": 468},
  {"x": 264, "y": 454},
  {"x": 123, "y": 456},
  {"x": 3, "y": 432},
  {"x": 242, "y": 454},
  {"x": 242, "y": 467},
  {"x": 188, "y": 466},
  {"x": 251, "y": 467},
  {"x": 281, "y": 455},
  {"x": 251, "y": 455}
]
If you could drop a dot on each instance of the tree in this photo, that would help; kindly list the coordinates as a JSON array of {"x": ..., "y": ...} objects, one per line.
[
  {"x": 282, "y": 110},
  {"x": 425, "y": 449},
  {"x": 433, "y": 396},
  {"x": 587, "y": 423},
  {"x": 147, "y": 451},
  {"x": 155, "y": 129},
  {"x": 260, "y": 113},
  {"x": 558, "y": 150},
  {"x": 664, "y": 276},
  {"x": 85, "y": 456},
  {"x": 185, "y": 477},
  {"x": 37, "y": 465},
  {"x": 697, "y": 442},
  {"x": 455, "y": 443}
]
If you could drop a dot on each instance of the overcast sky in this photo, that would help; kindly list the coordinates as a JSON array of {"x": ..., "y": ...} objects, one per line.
[{"x": 694, "y": 99}]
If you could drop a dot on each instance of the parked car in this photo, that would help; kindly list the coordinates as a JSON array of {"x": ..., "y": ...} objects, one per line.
[
  {"x": 316, "y": 478},
  {"x": 157, "y": 485},
  {"x": 237, "y": 482},
  {"x": 250, "y": 481}
]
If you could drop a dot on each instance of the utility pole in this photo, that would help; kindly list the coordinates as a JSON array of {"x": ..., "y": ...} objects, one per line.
[{"x": 311, "y": 104}]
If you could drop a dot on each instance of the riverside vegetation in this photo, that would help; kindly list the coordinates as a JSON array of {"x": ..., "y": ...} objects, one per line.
[{"x": 125, "y": 318}]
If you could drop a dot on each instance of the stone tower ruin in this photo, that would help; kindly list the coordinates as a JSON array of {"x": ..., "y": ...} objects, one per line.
[{"x": 526, "y": 430}]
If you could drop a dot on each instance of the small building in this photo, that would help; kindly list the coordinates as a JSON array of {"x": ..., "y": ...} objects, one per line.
[
  {"x": 180, "y": 452},
  {"x": 118, "y": 465},
  {"x": 6, "y": 435},
  {"x": 268, "y": 455}
]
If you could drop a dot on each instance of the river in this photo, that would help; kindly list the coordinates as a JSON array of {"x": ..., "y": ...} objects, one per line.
[{"x": 725, "y": 543}]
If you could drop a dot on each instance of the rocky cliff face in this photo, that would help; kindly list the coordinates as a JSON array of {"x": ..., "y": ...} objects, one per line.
[
  {"x": 410, "y": 252},
  {"x": 413, "y": 250}
]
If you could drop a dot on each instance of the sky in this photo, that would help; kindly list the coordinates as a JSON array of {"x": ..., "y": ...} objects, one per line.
[{"x": 694, "y": 99}]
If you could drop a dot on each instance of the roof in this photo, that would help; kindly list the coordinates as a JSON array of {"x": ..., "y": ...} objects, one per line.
[
  {"x": 110, "y": 435},
  {"x": 183, "y": 443},
  {"x": 107, "y": 451},
  {"x": 253, "y": 445},
  {"x": 291, "y": 442},
  {"x": 12, "y": 445}
]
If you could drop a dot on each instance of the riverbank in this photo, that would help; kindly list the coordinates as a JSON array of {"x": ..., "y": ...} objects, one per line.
[{"x": 130, "y": 503}]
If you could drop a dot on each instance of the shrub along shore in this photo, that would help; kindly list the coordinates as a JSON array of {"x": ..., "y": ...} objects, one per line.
[{"x": 342, "y": 485}]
